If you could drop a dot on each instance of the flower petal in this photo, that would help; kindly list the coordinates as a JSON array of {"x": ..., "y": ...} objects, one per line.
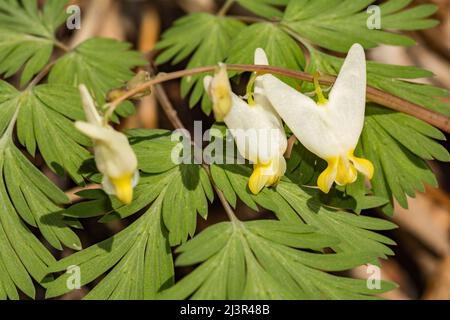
[
  {"x": 346, "y": 172},
  {"x": 92, "y": 115},
  {"x": 261, "y": 57},
  {"x": 123, "y": 187},
  {"x": 328, "y": 176},
  {"x": 364, "y": 166},
  {"x": 267, "y": 175},
  {"x": 93, "y": 131},
  {"x": 347, "y": 99},
  {"x": 219, "y": 89},
  {"x": 257, "y": 130},
  {"x": 257, "y": 180},
  {"x": 310, "y": 123},
  {"x": 107, "y": 186}
]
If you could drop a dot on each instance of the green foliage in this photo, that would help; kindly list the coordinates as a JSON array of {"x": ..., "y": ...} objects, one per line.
[
  {"x": 337, "y": 24},
  {"x": 398, "y": 154},
  {"x": 45, "y": 120},
  {"x": 290, "y": 202},
  {"x": 264, "y": 8},
  {"x": 100, "y": 64},
  {"x": 292, "y": 257},
  {"x": 261, "y": 260},
  {"x": 27, "y": 35},
  {"x": 138, "y": 261},
  {"x": 207, "y": 38},
  {"x": 25, "y": 193},
  {"x": 269, "y": 37},
  {"x": 45, "y": 116},
  {"x": 184, "y": 189},
  {"x": 36, "y": 199},
  {"x": 22, "y": 255}
]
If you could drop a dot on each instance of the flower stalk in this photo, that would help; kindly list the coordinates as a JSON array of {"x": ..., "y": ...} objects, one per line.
[{"x": 375, "y": 95}]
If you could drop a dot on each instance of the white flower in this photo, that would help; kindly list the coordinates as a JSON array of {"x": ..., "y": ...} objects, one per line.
[
  {"x": 114, "y": 156},
  {"x": 331, "y": 128},
  {"x": 257, "y": 129}
]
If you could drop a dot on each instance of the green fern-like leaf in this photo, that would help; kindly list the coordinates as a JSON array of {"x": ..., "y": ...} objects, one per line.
[
  {"x": 265, "y": 8},
  {"x": 138, "y": 262},
  {"x": 27, "y": 35},
  {"x": 185, "y": 188},
  {"x": 45, "y": 121},
  {"x": 100, "y": 64},
  {"x": 265, "y": 260},
  {"x": 337, "y": 24},
  {"x": 207, "y": 38},
  {"x": 25, "y": 193},
  {"x": 271, "y": 38},
  {"x": 291, "y": 202}
]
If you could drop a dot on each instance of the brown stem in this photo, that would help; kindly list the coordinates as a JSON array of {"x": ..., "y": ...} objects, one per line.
[
  {"x": 383, "y": 98},
  {"x": 248, "y": 19},
  {"x": 167, "y": 107},
  {"x": 223, "y": 11},
  {"x": 172, "y": 115},
  {"x": 41, "y": 75},
  {"x": 62, "y": 46},
  {"x": 226, "y": 205}
]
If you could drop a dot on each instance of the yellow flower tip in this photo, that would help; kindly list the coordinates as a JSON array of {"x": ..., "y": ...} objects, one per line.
[
  {"x": 264, "y": 175},
  {"x": 327, "y": 177},
  {"x": 363, "y": 165},
  {"x": 346, "y": 172},
  {"x": 343, "y": 171},
  {"x": 123, "y": 188}
]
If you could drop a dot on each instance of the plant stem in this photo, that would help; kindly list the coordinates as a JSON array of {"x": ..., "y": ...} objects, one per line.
[
  {"x": 167, "y": 107},
  {"x": 62, "y": 46},
  {"x": 375, "y": 95},
  {"x": 223, "y": 11},
  {"x": 41, "y": 75},
  {"x": 226, "y": 205},
  {"x": 249, "y": 19},
  {"x": 172, "y": 115}
]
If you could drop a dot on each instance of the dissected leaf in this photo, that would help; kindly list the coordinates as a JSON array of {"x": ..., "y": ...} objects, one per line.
[
  {"x": 265, "y": 8},
  {"x": 271, "y": 38},
  {"x": 207, "y": 38},
  {"x": 185, "y": 188},
  {"x": 304, "y": 203},
  {"x": 26, "y": 193},
  {"x": 245, "y": 261},
  {"x": 337, "y": 24},
  {"x": 138, "y": 262},
  {"x": 27, "y": 35},
  {"x": 46, "y": 121},
  {"x": 100, "y": 64}
]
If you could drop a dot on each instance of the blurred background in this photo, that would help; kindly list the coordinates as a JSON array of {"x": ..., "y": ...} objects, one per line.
[{"x": 421, "y": 265}]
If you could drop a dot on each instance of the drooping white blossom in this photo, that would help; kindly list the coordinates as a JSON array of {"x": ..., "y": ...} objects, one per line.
[
  {"x": 330, "y": 128},
  {"x": 257, "y": 129},
  {"x": 114, "y": 157}
]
